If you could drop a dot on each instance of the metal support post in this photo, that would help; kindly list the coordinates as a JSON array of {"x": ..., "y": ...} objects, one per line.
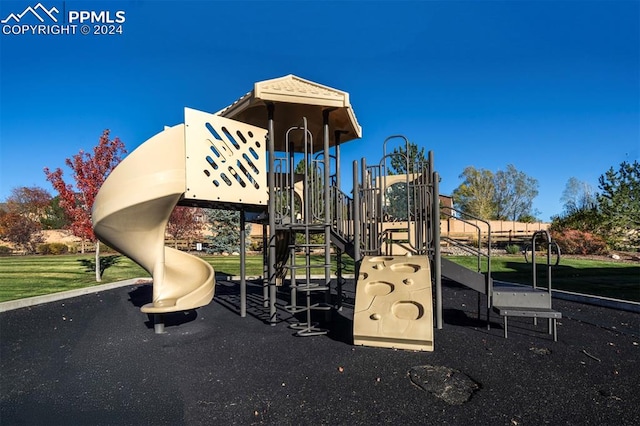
[
  {"x": 158, "y": 324},
  {"x": 243, "y": 266},
  {"x": 327, "y": 211},
  {"x": 272, "y": 218},
  {"x": 356, "y": 219},
  {"x": 437, "y": 260}
]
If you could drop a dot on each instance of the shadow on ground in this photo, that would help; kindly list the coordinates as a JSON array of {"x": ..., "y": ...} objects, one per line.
[
  {"x": 105, "y": 263},
  {"x": 143, "y": 294}
]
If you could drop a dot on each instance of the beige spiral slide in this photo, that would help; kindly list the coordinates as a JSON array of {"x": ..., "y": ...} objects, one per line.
[
  {"x": 210, "y": 161},
  {"x": 131, "y": 212}
]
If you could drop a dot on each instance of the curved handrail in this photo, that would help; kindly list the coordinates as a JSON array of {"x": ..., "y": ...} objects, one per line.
[
  {"x": 470, "y": 249},
  {"x": 549, "y": 243}
]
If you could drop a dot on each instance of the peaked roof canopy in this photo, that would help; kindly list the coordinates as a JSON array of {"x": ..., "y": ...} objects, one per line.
[{"x": 294, "y": 98}]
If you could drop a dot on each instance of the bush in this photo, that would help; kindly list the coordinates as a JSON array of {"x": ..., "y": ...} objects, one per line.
[
  {"x": 5, "y": 251},
  {"x": 572, "y": 241},
  {"x": 53, "y": 248},
  {"x": 513, "y": 249}
]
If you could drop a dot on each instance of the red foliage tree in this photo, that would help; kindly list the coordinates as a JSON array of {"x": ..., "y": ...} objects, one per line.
[
  {"x": 20, "y": 230},
  {"x": 29, "y": 201},
  {"x": 21, "y": 223},
  {"x": 89, "y": 172},
  {"x": 185, "y": 223}
]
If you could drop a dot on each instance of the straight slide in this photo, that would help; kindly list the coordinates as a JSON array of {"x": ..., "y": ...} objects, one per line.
[{"x": 130, "y": 214}]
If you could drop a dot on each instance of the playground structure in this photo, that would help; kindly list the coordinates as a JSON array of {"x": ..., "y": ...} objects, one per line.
[{"x": 274, "y": 155}]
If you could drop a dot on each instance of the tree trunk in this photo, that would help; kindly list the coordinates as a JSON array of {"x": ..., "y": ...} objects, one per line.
[{"x": 98, "y": 274}]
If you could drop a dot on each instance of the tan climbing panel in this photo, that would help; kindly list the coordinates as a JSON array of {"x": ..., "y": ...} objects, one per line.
[{"x": 394, "y": 303}]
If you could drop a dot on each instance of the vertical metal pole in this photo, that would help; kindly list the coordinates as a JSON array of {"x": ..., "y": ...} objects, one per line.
[
  {"x": 365, "y": 207},
  {"x": 158, "y": 324},
  {"x": 548, "y": 237},
  {"x": 533, "y": 259},
  {"x": 272, "y": 218},
  {"x": 265, "y": 266},
  {"x": 356, "y": 219},
  {"x": 337, "y": 136},
  {"x": 533, "y": 264},
  {"x": 327, "y": 209},
  {"x": 243, "y": 266},
  {"x": 293, "y": 218},
  {"x": 437, "y": 260}
]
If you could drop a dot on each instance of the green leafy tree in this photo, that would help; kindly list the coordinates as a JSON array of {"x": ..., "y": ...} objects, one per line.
[
  {"x": 475, "y": 195},
  {"x": 225, "y": 229},
  {"x": 619, "y": 204},
  {"x": 55, "y": 217},
  {"x": 396, "y": 195},
  {"x": 505, "y": 195},
  {"x": 514, "y": 194},
  {"x": 411, "y": 154}
]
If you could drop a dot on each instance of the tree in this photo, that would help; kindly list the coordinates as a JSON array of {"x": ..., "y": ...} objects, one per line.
[
  {"x": 399, "y": 197},
  {"x": 408, "y": 153},
  {"x": 89, "y": 172},
  {"x": 578, "y": 230},
  {"x": 476, "y": 194},
  {"x": 225, "y": 226},
  {"x": 20, "y": 224},
  {"x": 184, "y": 224},
  {"x": 578, "y": 196},
  {"x": 514, "y": 194},
  {"x": 20, "y": 230},
  {"x": 619, "y": 204},
  {"x": 55, "y": 216},
  {"x": 31, "y": 202}
]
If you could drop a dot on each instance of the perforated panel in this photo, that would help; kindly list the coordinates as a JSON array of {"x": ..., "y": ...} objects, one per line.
[{"x": 226, "y": 160}]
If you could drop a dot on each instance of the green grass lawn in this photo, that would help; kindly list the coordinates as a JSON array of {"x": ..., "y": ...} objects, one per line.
[
  {"x": 594, "y": 277},
  {"x": 26, "y": 276}
]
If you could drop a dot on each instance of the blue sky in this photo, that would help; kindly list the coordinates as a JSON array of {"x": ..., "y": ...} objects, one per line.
[{"x": 552, "y": 87}]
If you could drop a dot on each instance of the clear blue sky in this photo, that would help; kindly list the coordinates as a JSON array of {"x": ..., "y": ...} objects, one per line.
[{"x": 552, "y": 87}]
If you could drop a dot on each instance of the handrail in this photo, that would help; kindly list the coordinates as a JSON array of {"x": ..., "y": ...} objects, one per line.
[
  {"x": 477, "y": 251},
  {"x": 549, "y": 244},
  {"x": 342, "y": 213}
]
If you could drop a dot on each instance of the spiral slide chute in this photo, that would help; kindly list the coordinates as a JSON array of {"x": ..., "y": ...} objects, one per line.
[
  {"x": 131, "y": 212},
  {"x": 210, "y": 161}
]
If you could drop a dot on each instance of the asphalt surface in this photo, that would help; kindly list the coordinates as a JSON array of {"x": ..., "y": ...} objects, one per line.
[{"x": 95, "y": 360}]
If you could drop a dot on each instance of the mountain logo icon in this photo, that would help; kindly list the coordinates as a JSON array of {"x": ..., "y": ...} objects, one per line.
[{"x": 39, "y": 11}]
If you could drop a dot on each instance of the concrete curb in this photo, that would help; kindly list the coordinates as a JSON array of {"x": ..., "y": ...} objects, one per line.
[{"x": 54, "y": 297}]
